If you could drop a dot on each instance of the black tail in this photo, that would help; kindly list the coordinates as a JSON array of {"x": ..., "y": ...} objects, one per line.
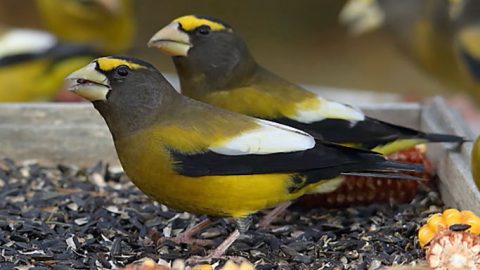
[
  {"x": 388, "y": 165},
  {"x": 390, "y": 175},
  {"x": 436, "y": 137}
]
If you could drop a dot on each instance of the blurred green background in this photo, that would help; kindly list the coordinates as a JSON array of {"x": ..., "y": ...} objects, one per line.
[{"x": 300, "y": 40}]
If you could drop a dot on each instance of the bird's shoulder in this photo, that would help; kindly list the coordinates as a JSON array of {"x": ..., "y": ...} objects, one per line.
[
  {"x": 300, "y": 104},
  {"x": 198, "y": 127}
]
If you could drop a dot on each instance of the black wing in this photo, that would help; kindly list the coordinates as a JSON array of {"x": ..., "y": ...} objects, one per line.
[
  {"x": 325, "y": 159},
  {"x": 58, "y": 52},
  {"x": 368, "y": 133}
]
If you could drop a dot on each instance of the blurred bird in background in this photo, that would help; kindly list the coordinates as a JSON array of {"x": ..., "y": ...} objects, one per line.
[
  {"x": 440, "y": 36},
  {"x": 467, "y": 41},
  {"x": 33, "y": 63},
  {"x": 108, "y": 25}
]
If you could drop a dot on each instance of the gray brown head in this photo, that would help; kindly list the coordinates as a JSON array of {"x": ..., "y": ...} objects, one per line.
[
  {"x": 128, "y": 93},
  {"x": 206, "y": 52}
]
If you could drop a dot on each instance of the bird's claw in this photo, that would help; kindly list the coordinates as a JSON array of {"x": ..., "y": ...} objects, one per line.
[
  {"x": 208, "y": 259},
  {"x": 187, "y": 240}
]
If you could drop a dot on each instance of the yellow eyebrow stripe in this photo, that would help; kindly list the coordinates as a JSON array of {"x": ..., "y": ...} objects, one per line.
[
  {"x": 107, "y": 63},
  {"x": 190, "y": 22}
]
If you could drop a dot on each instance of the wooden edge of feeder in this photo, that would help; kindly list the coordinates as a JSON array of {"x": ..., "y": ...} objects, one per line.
[{"x": 452, "y": 162}]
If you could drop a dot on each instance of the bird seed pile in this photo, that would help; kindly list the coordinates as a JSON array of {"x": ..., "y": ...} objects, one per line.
[{"x": 66, "y": 217}]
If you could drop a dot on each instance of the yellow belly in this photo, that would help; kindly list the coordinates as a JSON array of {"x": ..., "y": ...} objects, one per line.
[
  {"x": 234, "y": 196},
  {"x": 148, "y": 165}
]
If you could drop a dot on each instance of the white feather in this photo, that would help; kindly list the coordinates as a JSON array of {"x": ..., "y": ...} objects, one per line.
[
  {"x": 268, "y": 138},
  {"x": 361, "y": 16},
  {"x": 19, "y": 41},
  {"x": 327, "y": 109}
]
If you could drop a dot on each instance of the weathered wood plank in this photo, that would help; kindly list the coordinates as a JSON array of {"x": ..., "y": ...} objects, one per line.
[
  {"x": 55, "y": 133},
  {"x": 456, "y": 185}
]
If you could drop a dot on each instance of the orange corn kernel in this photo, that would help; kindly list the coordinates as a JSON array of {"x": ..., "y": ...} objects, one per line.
[{"x": 443, "y": 221}]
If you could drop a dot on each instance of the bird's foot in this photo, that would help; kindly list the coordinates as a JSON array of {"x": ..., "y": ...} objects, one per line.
[
  {"x": 273, "y": 214},
  {"x": 187, "y": 236},
  {"x": 194, "y": 260},
  {"x": 185, "y": 239},
  {"x": 219, "y": 252}
]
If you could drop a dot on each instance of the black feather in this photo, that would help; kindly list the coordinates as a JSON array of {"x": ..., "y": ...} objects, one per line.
[
  {"x": 368, "y": 133},
  {"x": 18, "y": 58},
  {"x": 324, "y": 161},
  {"x": 472, "y": 64},
  {"x": 57, "y": 53},
  {"x": 392, "y": 175}
]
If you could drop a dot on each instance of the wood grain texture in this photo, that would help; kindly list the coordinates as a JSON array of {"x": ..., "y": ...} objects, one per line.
[
  {"x": 452, "y": 162},
  {"x": 55, "y": 133}
]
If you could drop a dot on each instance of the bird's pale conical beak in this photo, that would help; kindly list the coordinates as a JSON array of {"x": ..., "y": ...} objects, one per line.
[
  {"x": 171, "y": 40},
  {"x": 89, "y": 83}
]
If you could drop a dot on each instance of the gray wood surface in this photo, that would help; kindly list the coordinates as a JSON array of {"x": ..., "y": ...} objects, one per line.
[
  {"x": 452, "y": 163},
  {"x": 55, "y": 133}
]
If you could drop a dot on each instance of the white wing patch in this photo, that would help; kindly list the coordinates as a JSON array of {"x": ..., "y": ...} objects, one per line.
[
  {"x": 327, "y": 109},
  {"x": 361, "y": 16},
  {"x": 268, "y": 138},
  {"x": 19, "y": 41}
]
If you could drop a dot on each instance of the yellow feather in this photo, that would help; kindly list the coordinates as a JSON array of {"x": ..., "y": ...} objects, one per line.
[
  {"x": 37, "y": 80},
  {"x": 326, "y": 186},
  {"x": 149, "y": 166},
  {"x": 476, "y": 162},
  {"x": 191, "y": 22},
  {"x": 309, "y": 104},
  {"x": 397, "y": 145},
  {"x": 469, "y": 39},
  {"x": 260, "y": 103},
  {"x": 109, "y": 30},
  {"x": 107, "y": 63}
]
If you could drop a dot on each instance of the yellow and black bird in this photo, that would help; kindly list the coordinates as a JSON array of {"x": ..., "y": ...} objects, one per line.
[
  {"x": 107, "y": 25},
  {"x": 440, "y": 36},
  {"x": 33, "y": 64},
  {"x": 215, "y": 66},
  {"x": 195, "y": 157}
]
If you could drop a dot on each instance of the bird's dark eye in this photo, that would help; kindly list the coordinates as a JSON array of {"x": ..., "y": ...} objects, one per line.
[
  {"x": 122, "y": 70},
  {"x": 204, "y": 30}
]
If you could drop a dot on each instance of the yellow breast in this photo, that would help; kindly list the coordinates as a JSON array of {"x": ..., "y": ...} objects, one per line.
[{"x": 147, "y": 162}]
